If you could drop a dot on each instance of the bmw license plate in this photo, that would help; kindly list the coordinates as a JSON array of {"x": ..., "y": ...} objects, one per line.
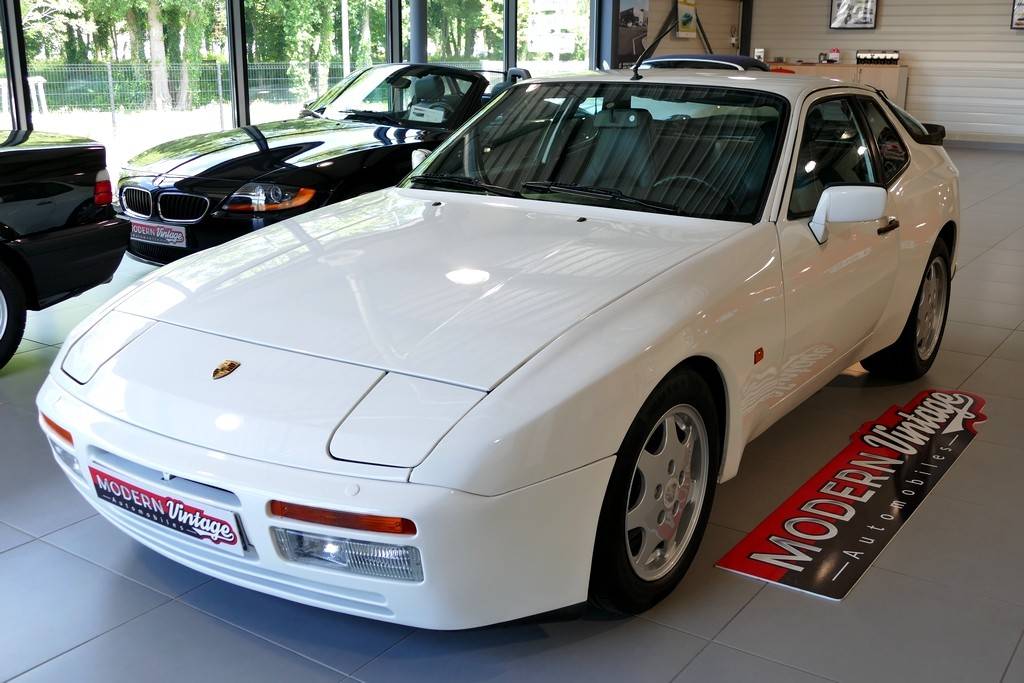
[
  {"x": 204, "y": 523},
  {"x": 159, "y": 233}
]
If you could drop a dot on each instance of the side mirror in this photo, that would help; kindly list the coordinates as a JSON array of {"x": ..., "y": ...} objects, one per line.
[
  {"x": 847, "y": 204},
  {"x": 419, "y": 156},
  {"x": 936, "y": 134}
]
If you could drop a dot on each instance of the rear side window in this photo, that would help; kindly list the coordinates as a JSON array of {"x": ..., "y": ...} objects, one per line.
[
  {"x": 833, "y": 151},
  {"x": 893, "y": 154}
]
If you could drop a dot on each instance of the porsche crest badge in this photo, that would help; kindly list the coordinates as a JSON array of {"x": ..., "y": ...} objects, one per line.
[{"x": 225, "y": 369}]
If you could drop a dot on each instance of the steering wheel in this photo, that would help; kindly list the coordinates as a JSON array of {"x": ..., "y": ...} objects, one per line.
[{"x": 719, "y": 194}]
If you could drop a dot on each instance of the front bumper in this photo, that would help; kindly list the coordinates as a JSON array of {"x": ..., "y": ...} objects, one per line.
[
  {"x": 485, "y": 559},
  {"x": 207, "y": 233}
]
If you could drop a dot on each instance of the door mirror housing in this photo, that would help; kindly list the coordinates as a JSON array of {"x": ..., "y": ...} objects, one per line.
[
  {"x": 936, "y": 134},
  {"x": 847, "y": 204},
  {"x": 419, "y": 156}
]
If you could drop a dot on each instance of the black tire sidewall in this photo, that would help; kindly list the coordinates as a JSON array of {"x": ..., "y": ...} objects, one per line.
[
  {"x": 14, "y": 297},
  {"x": 614, "y": 586},
  {"x": 900, "y": 360}
]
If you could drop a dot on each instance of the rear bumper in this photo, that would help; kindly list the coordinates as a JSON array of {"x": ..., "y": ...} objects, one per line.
[
  {"x": 67, "y": 261},
  {"x": 485, "y": 559}
]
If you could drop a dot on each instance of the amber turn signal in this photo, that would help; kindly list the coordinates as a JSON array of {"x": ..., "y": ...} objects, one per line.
[
  {"x": 64, "y": 434},
  {"x": 346, "y": 520}
]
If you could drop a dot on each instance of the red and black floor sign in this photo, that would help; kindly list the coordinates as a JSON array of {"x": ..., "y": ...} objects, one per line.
[{"x": 823, "y": 538}]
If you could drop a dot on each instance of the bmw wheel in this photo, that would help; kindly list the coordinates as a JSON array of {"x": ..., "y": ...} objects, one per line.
[
  {"x": 659, "y": 497},
  {"x": 12, "y": 314},
  {"x": 912, "y": 355}
]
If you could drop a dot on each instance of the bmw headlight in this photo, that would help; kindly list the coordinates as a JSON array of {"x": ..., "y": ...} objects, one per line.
[
  {"x": 264, "y": 197},
  {"x": 101, "y": 343}
]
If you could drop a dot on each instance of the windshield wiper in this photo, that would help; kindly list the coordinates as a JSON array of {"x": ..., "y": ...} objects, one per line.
[
  {"x": 310, "y": 112},
  {"x": 547, "y": 186},
  {"x": 464, "y": 182},
  {"x": 373, "y": 116}
]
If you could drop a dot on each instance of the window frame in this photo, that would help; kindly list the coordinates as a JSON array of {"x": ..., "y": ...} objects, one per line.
[
  {"x": 875, "y": 150},
  {"x": 809, "y": 103}
]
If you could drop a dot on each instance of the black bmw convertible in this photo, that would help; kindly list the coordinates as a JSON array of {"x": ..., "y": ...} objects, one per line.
[{"x": 197, "y": 192}]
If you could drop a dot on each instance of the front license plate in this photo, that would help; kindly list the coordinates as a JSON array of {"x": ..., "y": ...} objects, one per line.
[
  {"x": 207, "y": 524},
  {"x": 158, "y": 233}
]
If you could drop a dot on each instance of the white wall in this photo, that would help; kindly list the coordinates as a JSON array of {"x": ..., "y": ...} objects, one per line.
[{"x": 966, "y": 64}]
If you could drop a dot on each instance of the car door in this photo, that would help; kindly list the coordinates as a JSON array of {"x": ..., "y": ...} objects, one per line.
[{"x": 836, "y": 291}]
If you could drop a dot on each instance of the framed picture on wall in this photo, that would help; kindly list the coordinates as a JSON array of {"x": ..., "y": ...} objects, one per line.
[
  {"x": 1017, "y": 15},
  {"x": 855, "y": 14}
]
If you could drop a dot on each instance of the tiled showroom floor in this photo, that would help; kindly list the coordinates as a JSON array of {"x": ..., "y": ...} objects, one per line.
[{"x": 944, "y": 602}]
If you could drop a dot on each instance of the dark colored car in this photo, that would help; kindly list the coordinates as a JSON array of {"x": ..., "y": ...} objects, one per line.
[
  {"x": 58, "y": 233},
  {"x": 200, "y": 191},
  {"x": 726, "y": 62}
]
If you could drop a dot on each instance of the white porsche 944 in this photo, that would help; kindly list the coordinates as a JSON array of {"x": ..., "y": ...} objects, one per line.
[{"x": 512, "y": 384}]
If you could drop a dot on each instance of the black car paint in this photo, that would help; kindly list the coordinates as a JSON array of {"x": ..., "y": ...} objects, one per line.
[
  {"x": 53, "y": 237},
  {"x": 339, "y": 159}
]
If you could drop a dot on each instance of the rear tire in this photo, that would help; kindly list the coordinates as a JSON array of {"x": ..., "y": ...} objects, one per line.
[
  {"x": 659, "y": 497},
  {"x": 12, "y": 314},
  {"x": 912, "y": 355}
]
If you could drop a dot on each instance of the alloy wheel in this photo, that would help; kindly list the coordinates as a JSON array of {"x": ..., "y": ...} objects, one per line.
[
  {"x": 666, "y": 493},
  {"x": 931, "y": 307}
]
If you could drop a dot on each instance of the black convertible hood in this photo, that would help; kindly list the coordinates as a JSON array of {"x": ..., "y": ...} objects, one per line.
[{"x": 251, "y": 151}]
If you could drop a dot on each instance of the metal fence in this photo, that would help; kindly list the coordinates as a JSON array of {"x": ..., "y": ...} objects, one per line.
[{"x": 127, "y": 87}]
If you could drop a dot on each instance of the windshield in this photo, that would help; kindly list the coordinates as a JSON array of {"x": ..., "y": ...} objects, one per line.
[
  {"x": 681, "y": 149},
  {"x": 417, "y": 96}
]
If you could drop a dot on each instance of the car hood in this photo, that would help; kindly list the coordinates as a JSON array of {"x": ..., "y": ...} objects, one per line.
[
  {"x": 252, "y": 151},
  {"x": 457, "y": 288}
]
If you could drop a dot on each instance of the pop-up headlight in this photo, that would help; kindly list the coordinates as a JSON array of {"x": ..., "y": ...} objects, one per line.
[{"x": 101, "y": 343}]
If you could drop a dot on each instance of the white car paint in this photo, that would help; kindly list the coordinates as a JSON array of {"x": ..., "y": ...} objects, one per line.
[{"x": 472, "y": 363}]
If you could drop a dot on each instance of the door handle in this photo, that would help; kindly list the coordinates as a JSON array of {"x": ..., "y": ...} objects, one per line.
[{"x": 889, "y": 227}]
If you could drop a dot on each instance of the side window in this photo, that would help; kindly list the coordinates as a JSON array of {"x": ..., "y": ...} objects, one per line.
[
  {"x": 833, "y": 151},
  {"x": 894, "y": 154}
]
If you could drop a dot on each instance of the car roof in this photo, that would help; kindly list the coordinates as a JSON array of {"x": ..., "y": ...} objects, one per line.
[
  {"x": 793, "y": 87},
  {"x": 735, "y": 60}
]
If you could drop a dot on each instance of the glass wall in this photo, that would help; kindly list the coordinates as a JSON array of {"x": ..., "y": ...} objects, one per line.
[
  {"x": 300, "y": 48},
  {"x": 133, "y": 74},
  {"x": 6, "y": 116},
  {"x": 553, "y": 36},
  {"x": 129, "y": 75},
  {"x": 466, "y": 33}
]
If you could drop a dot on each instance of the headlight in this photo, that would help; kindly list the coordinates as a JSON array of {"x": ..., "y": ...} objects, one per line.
[
  {"x": 101, "y": 343},
  {"x": 261, "y": 197}
]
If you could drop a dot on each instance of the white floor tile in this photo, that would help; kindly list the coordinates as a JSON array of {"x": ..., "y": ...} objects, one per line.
[
  {"x": 891, "y": 627},
  {"x": 978, "y": 340},
  {"x": 1012, "y": 348},
  {"x": 998, "y": 376},
  {"x": 708, "y": 597},
  {"x": 174, "y": 644},
  {"x": 720, "y": 664},
  {"x": 51, "y": 601}
]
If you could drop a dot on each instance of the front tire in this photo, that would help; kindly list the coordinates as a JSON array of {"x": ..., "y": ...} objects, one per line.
[
  {"x": 659, "y": 497},
  {"x": 12, "y": 314},
  {"x": 912, "y": 355}
]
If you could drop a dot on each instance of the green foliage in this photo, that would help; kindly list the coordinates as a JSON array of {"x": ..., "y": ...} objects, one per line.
[{"x": 296, "y": 48}]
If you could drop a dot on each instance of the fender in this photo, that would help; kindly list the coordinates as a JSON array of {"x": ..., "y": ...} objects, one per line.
[{"x": 606, "y": 366}]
